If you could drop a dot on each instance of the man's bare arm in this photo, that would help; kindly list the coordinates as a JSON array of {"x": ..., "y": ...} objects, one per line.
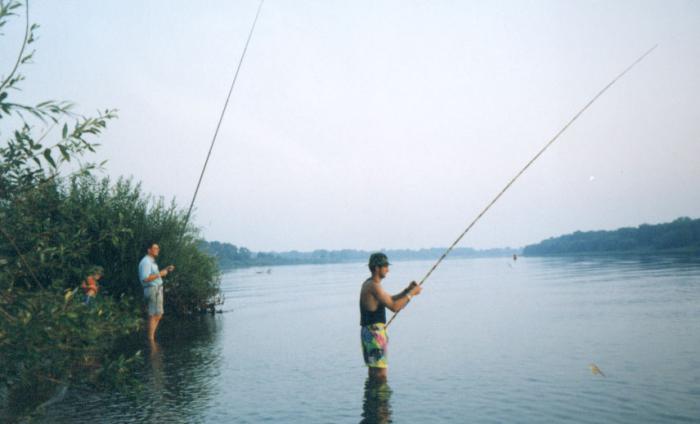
[
  {"x": 161, "y": 273},
  {"x": 398, "y": 301},
  {"x": 152, "y": 277}
]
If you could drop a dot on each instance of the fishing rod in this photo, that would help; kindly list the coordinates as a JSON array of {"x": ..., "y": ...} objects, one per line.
[
  {"x": 221, "y": 118},
  {"x": 527, "y": 165}
]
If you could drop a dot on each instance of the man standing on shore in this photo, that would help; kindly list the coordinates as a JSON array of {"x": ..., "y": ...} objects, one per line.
[
  {"x": 373, "y": 301},
  {"x": 152, "y": 280}
]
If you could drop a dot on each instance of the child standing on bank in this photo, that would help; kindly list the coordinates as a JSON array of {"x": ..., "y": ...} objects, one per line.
[{"x": 90, "y": 284}]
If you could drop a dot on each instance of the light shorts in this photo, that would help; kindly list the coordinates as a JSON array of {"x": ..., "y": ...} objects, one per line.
[
  {"x": 154, "y": 299},
  {"x": 374, "y": 345}
]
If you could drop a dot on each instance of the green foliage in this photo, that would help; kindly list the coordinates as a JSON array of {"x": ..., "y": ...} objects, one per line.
[
  {"x": 65, "y": 229},
  {"x": 683, "y": 234},
  {"x": 228, "y": 255},
  {"x": 124, "y": 218},
  {"x": 50, "y": 338},
  {"x": 54, "y": 227},
  {"x": 26, "y": 160}
]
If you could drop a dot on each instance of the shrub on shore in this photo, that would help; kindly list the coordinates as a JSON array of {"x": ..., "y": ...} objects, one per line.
[{"x": 56, "y": 224}]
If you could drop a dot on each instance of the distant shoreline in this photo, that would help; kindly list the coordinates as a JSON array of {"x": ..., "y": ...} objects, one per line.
[
  {"x": 616, "y": 254},
  {"x": 680, "y": 237},
  {"x": 641, "y": 252},
  {"x": 361, "y": 258}
]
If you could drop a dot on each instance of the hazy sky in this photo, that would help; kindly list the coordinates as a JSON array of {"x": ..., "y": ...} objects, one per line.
[{"x": 387, "y": 124}]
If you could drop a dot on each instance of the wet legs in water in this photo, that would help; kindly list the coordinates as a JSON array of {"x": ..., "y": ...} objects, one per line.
[
  {"x": 153, "y": 321},
  {"x": 377, "y": 374}
]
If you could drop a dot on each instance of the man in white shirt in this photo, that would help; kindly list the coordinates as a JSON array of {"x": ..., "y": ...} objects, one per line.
[{"x": 152, "y": 280}]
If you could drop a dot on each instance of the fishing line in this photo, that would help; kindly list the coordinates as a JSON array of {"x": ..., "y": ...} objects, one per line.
[
  {"x": 221, "y": 118},
  {"x": 546, "y": 146}
]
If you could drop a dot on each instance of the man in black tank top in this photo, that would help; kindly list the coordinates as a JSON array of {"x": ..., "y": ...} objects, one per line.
[{"x": 373, "y": 301}]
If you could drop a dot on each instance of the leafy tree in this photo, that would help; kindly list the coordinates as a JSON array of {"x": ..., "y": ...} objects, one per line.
[{"x": 58, "y": 220}]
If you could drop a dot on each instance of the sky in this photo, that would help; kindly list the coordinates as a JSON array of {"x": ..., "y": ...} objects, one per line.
[{"x": 386, "y": 124}]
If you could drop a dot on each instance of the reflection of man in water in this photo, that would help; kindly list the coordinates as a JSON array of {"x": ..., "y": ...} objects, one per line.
[
  {"x": 373, "y": 301},
  {"x": 375, "y": 406}
]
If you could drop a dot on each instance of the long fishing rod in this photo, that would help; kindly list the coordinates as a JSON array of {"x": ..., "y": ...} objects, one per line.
[
  {"x": 221, "y": 118},
  {"x": 546, "y": 146}
]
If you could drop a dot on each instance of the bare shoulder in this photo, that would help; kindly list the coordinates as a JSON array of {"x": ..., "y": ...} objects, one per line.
[
  {"x": 372, "y": 286},
  {"x": 367, "y": 286},
  {"x": 369, "y": 290}
]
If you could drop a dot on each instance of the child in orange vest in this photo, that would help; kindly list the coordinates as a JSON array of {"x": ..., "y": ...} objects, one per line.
[{"x": 90, "y": 285}]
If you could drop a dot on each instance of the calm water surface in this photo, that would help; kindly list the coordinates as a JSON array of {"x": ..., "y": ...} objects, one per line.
[{"x": 489, "y": 340}]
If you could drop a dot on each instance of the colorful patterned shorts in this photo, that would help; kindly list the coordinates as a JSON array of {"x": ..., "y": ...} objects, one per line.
[{"x": 374, "y": 345}]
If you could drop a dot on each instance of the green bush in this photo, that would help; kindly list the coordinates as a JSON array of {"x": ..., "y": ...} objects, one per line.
[
  {"x": 63, "y": 229},
  {"x": 50, "y": 339},
  {"x": 54, "y": 227},
  {"x": 121, "y": 218}
]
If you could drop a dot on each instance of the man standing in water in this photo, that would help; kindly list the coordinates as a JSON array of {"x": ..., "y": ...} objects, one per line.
[
  {"x": 152, "y": 280},
  {"x": 373, "y": 301}
]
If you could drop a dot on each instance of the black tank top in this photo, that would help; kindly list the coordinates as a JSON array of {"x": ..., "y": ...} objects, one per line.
[
  {"x": 372, "y": 317},
  {"x": 368, "y": 317}
]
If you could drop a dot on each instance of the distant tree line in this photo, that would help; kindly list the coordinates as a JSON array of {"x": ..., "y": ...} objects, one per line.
[
  {"x": 681, "y": 235},
  {"x": 231, "y": 256}
]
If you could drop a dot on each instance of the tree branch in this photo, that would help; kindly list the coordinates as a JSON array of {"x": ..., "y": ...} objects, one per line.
[
  {"x": 21, "y": 51},
  {"x": 24, "y": 261}
]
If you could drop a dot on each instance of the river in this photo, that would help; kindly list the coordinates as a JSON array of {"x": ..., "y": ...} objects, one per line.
[{"x": 489, "y": 340}]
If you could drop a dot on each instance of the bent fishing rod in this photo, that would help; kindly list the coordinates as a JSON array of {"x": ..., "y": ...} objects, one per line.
[
  {"x": 221, "y": 118},
  {"x": 527, "y": 165}
]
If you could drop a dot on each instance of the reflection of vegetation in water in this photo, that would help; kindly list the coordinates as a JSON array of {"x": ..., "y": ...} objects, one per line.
[
  {"x": 186, "y": 367},
  {"x": 175, "y": 382},
  {"x": 179, "y": 373},
  {"x": 376, "y": 406}
]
